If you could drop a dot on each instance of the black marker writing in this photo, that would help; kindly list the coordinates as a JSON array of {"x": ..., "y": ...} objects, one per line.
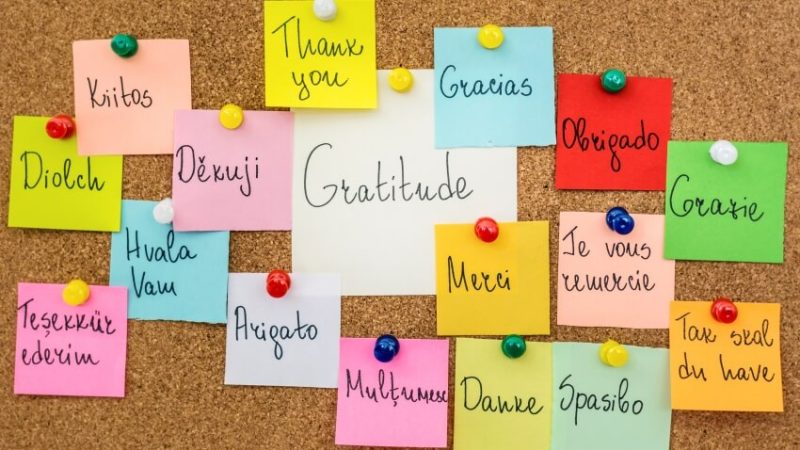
[
  {"x": 492, "y": 86},
  {"x": 275, "y": 333},
  {"x": 702, "y": 207},
  {"x": 615, "y": 402},
  {"x": 479, "y": 282},
  {"x": 573, "y": 132},
  {"x": 35, "y": 175},
  {"x": 193, "y": 167},
  {"x": 388, "y": 390},
  {"x": 474, "y": 398},
  {"x": 111, "y": 98}
]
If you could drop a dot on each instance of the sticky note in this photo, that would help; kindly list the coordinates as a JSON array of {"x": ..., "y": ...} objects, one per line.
[
  {"x": 610, "y": 408},
  {"x": 71, "y": 350},
  {"x": 502, "y": 402},
  {"x": 310, "y": 63},
  {"x": 612, "y": 141},
  {"x": 725, "y": 213},
  {"x": 400, "y": 403},
  {"x": 502, "y": 287},
  {"x": 53, "y": 187},
  {"x": 170, "y": 275},
  {"x": 606, "y": 279},
  {"x": 365, "y": 202},
  {"x": 291, "y": 341},
  {"x": 716, "y": 366},
  {"x": 124, "y": 106},
  {"x": 494, "y": 98},
  {"x": 232, "y": 179}
]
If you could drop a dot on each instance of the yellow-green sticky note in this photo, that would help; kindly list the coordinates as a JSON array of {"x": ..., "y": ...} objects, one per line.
[
  {"x": 53, "y": 187},
  {"x": 311, "y": 63}
]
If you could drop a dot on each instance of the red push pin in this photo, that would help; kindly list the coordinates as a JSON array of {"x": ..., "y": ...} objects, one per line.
[
  {"x": 724, "y": 310},
  {"x": 60, "y": 126},
  {"x": 278, "y": 283},
  {"x": 486, "y": 229}
]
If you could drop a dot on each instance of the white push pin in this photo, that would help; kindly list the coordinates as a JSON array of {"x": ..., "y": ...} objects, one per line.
[
  {"x": 163, "y": 212},
  {"x": 723, "y": 152},
  {"x": 325, "y": 9}
]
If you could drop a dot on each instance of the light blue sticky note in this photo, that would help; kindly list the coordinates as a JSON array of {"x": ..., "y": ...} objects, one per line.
[
  {"x": 494, "y": 98},
  {"x": 615, "y": 408},
  {"x": 170, "y": 275}
]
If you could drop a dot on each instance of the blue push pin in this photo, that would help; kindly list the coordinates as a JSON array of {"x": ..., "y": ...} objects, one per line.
[
  {"x": 619, "y": 220},
  {"x": 386, "y": 348}
]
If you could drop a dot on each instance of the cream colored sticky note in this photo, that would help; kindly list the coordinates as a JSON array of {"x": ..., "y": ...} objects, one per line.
[
  {"x": 725, "y": 367},
  {"x": 125, "y": 106},
  {"x": 310, "y": 63},
  {"x": 502, "y": 403},
  {"x": 501, "y": 287},
  {"x": 53, "y": 187}
]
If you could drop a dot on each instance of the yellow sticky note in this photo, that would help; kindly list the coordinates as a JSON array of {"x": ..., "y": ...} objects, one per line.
[
  {"x": 53, "y": 187},
  {"x": 502, "y": 287},
  {"x": 500, "y": 402},
  {"x": 310, "y": 63},
  {"x": 716, "y": 366}
]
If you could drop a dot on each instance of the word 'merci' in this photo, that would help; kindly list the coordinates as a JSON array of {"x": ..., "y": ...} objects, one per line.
[
  {"x": 36, "y": 176},
  {"x": 164, "y": 254},
  {"x": 573, "y": 133},
  {"x": 111, "y": 98},
  {"x": 275, "y": 333},
  {"x": 193, "y": 167},
  {"x": 389, "y": 391},
  {"x": 395, "y": 188}
]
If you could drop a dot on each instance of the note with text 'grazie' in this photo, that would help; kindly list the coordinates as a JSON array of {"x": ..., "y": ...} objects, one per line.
[
  {"x": 372, "y": 219},
  {"x": 502, "y": 403},
  {"x": 400, "y": 403},
  {"x": 232, "y": 179},
  {"x": 717, "y": 366},
  {"x": 311, "y": 63},
  {"x": 124, "y": 106},
  {"x": 170, "y": 275},
  {"x": 499, "y": 287},
  {"x": 606, "y": 279},
  {"x": 53, "y": 187},
  {"x": 71, "y": 350},
  {"x": 614, "y": 141},
  {"x": 290, "y": 341}
]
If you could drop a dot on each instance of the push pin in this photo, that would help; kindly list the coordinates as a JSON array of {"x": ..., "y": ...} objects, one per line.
[
  {"x": 613, "y": 353},
  {"x": 60, "y": 126},
  {"x": 163, "y": 212},
  {"x": 619, "y": 220},
  {"x": 386, "y": 348},
  {"x": 486, "y": 229},
  {"x": 124, "y": 45},
  {"x": 401, "y": 79},
  {"x": 490, "y": 36},
  {"x": 724, "y": 310},
  {"x": 325, "y": 10},
  {"x": 278, "y": 283},
  {"x": 75, "y": 293},
  {"x": 513, "y": 346},
  {"x": 723, "y": 152},
  {"x": 231, "y": 116},
  {"x": 613, "y": 80}
]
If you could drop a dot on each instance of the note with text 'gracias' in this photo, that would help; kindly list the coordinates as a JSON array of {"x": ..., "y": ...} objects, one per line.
[{"x": 717, "y": 366}]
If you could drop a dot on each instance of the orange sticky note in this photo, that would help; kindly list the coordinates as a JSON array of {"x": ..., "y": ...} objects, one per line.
[
  {"x": 495, "y": 288},
  {"x": 716, "y": 366},
  {"x": 125, "y": 106}
]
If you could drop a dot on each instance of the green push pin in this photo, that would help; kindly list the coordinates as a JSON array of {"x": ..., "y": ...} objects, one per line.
[
  {"x": 513, "y": 346},
  {"x": 124, "y": 45},
  {"x": 613, "y": 80}
]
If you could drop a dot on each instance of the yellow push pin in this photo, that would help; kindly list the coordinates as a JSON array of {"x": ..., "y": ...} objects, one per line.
[
  {"x": 490, "y": 36},
  {"x": 75, "y": 293},
  {"x": 401, "y": 79},
  {"x": 231, "y": 116},
  {"x": 613, "y": 353}
]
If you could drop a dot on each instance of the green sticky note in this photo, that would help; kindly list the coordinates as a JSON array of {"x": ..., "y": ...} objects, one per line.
[
  {"x": 725, "y": 213},
  {"x": 599, "y": 407},
  {"x": 52, "y": 187}
]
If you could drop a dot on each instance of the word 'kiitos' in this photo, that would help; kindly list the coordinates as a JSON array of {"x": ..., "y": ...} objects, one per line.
[
  {"x": 474, "y": 399},
  {"x": 573, "y": 132},
  {"x": 36, "y": 176},
  {"x": 111, "y": 98},
  {"x": 275, "y": 333},
  {"x": 493, "y": 86},
  {"x": 391, "y": 391},
  {"x": 614, "y": 402}
]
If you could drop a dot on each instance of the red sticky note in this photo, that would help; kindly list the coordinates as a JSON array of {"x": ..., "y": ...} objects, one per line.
[{"x": 612, "y": 141}]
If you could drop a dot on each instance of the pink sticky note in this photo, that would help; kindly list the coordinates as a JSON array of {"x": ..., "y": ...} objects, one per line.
[
  {"x": 71, "y": 350},
  {"x": 237, "y": 179},
  {"x": 125, "y": 105},
  {"x": 606, "y": 279},
  {"x": 401, "y": 403}
]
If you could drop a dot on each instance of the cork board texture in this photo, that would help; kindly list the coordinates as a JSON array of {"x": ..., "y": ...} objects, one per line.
[{"x": 736, "y": 71}]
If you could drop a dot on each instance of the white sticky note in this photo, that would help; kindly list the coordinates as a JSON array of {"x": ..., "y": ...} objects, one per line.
[
  {"x": 290, "y": 341},
  {"x": 369, "y": 186}
]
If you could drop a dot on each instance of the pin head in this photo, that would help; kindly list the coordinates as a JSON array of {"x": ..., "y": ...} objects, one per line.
[
  {"x": 723, "y": 152},
  {"x": 386, "y": 348},
  {"x": 325, "y": 9},
  {"x": 724, "y": 310},
  {"x": 278, "y": 283},
  {"x": 231, "y": 116},
  {"x": 490, "y": 36},
  {"x": 613, "y": 353},
  {"x": 60, "y": 126},
  {"x": 163, "y": 212},
  {"x": 613, "y": 80},
  {"x": 486, "y": 229},
  {"x": 513, "y": 346},
  {"x": 619, "y": 220},
  {"x": 124, "y": 45},
  {"x": 75, "y": 293},
  {"x": 401, "y": 79}
]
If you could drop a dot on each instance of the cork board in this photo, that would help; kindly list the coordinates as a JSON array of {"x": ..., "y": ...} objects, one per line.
[{"x": 735, "y": 71}]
